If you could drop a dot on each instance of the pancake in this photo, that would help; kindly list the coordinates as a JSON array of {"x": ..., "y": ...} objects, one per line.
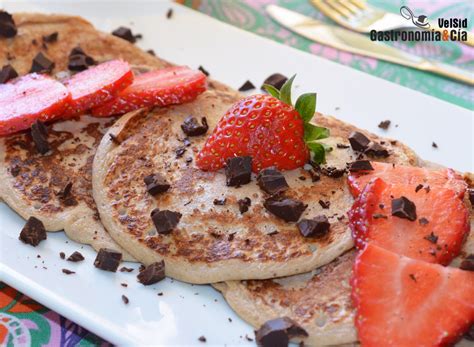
[
  {"x": 214, "y": 243},
  {"x": 31, "y": 182}
]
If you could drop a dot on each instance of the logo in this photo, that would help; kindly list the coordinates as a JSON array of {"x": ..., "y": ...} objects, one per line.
[
  {"x": 419, "y": 21},
  {"x": 449, "y": 29}
]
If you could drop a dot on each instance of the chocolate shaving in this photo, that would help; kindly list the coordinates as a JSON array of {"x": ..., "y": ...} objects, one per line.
[
  {"x": 434, "y": 145},
  {"x": 7, "y": 73},
  {"x": 203, "y": 70},
  {"x": 191, "y": 127},
  {"x": 384, "y": 124},
  {"x": 108, "y": 260},
  {"x": 342, "y": 146},
  {"x": 125, "y": 299},
  {"x": 278, "y": 332},
  {"x": 332, "y": 172},
  {"x": 68, "y": 272},
  {"x": 169, "y": 13},
  {"x": 418, "y": 188},
  {"x": 324, "y": 204},
  {"x": 7, "y": 25},
  {"x": 42, "y": 64},
  {"x": 62, "y": 255},
  {"x": 276, "y": 80},
  {"x": 244, "y": 204},
  {"x": 404, "y": 208},
  {"x": 152, "y": 274},
  {"x": 126, "y": 269},
  {"x": 39, "y": 133},
  {"x": 165, "y": 221},
  {"x": 33, "y": 232},
  {"x": 246, "y": 86},
  {"x": 76, "y": 257}
]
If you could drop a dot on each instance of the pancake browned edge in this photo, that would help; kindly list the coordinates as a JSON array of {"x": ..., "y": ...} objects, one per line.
[
  {"x": 30, "y": 182},
  {"x": 215, "y": 243}
]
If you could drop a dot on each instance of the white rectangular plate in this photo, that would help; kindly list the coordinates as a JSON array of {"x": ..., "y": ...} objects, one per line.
[{"x": 91, "y": 297}]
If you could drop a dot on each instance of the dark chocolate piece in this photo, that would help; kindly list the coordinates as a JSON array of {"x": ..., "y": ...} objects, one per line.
[
  {"x": 7, "y": 73},
  {"x": 244, "y": 204},
  {"x": 202, "y": 339},
  {"x": 42, "y": 64},
  {"x": 359, "y": 142},
  {"x": 152, "y": 274},
  {"x": 62, "y": 255},
  {"x": 7, "y": 25},
  {"x": 39, "y": 133},
  {"x": 51, "y": 38},
  {"x": 220, "y": 202},
  {"x": 125, "y": 300},
  {"x": 169, "y": 14},
  {"x": 65, "y": 194},
  {"x": 384, "y": 124},
  {"x": 332, "y": 172},
  {"x": 468, "y": 263},
  {"x": 238, "y": 171},
  {"x": 68, "y": 272},
  {"x": 324, "y": 204},
  {"x": 108, "y": 260},
  {"x": 125, "y": 33},
  {"x": 418, "y": 188},
  {"x": 191, "y": 126},
  {"x": 278, "y": 332},
  {"x": 126, "y": 269},
  {"x": 316, "y": 227},
  {"x": 246, "y": 86},
  {"x": 342, "y": 146},
  {"x": 165, "y": 221},
  {"x": 156, "y": 184},
  {"x": 75, "y": 257},
  {"x": 79, "y": 60},
  {"x": 432, "y": 238},
  {"x": 404, "y": 208},
  {"x": 33, "y": 232},
  {"x": 377, "y": 150},
  {"x": 276, "y": 80},
  {"x": 434, "y": 145},
  {"x": 272, "y": 181},
  {"x": 203, "y": 70},
  {"x": 289, "y": 210},
  {"x": 360, "y": 165},
  {"x": 470, "y": 193},
  {"x": 152, "y": 52}
]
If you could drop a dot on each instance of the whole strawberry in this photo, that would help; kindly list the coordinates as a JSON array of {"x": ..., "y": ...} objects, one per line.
[{"x": 267, "y": 128}]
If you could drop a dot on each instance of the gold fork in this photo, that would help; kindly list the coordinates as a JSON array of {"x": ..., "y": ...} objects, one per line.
[{"x": 359, "y": 16}]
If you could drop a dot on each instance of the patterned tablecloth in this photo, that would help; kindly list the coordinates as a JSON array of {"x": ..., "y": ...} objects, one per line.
[{"x": 24, "y": 322}]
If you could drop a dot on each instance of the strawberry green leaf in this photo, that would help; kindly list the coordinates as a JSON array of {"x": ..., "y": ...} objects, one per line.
[
  {"x": 285, "y": 91},
  {"x": 318, "y": 151},
  {"x": 306, "y": 106},
  {"x": 313, "y": 132},
  {"x": 272, "y": 90}
]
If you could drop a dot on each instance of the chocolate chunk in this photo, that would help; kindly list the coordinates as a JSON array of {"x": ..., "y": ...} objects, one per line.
[
  {"x": 316, "y": 227},
  {"x": 75, "y": 257},
  {"x": 418, "y": 188},
  {"x": 432, "y": 238},
  {"x": 33, "y": 232},
  {"x": 470, "y": 193},
  {"x": 332, "y": 172},
  {"x": 39, "y": 133},
  {"x": 289, "y": 210},
  {"x": 276, "y": 80},
  {"x": 108, "y": 259},
  {"x": 125, "y": 33},
  {"x": 203, "y": 70},
  {"x": 377, "y": 150},
  {"x": 51, "y": 38},
  {"x": 152, "y": 274},
  {"x": 202, "y": 338},
  {"x": 324, "y": 204},
  {"x": 68, "y": 272},
  {"x": 404, "y": 208},
  {"x": 156, "y": 184},
  {"x": 359, "y": 142},
  {"x": 244, "y": 204},
  {"x": 434, "y": 145},
  {"x": 342, "y": 146},
  {"x": 79, "y": 60},
  {"x": 384, "y": 124},
  {"x": 238, "y": 171},
  {"x": 7, "y": 25},
  {"x": 165, "y": 221},
  {"x": 423, "y": 221},
  {"x": 169, "y": 14},
  {"x": 278, "y": 332},
  {"x": 468, "y": 263},
  {"x": 42, "y": 64},
  {"x": 125, "y": 300},
  {"x": 152, "y": 52},
  {"x": 246, "y": 86},
  {"x": 7, "y": 73},
  {"x": 126, "y": 269},
  {"x": 62, "y": 255},
  {"x": 272, "y": 181},
  {"x": 191, "y": 127},
  {"x": 220, "y": 202},
  {"x": 360, "y": 165}
]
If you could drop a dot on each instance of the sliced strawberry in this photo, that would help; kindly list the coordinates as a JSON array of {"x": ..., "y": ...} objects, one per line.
[
  {"x": 97, "y": 85},
  {"x": 164, "y": 87},
  {"x": 409, "y": 175},
  {"x": 437, "y": 234},
  {"x": 29, "y": 98},
  {"x": 402, "y": 302}
]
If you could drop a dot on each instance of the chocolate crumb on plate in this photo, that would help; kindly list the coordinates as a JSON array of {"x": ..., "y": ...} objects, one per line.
[
  {"x": 62, "y": 255},
  {"x": 434, "y": 145},
  {"x": 42, "y": 64},
  {"x": 152, "y": 274},
  {"x": 278, "y": 332},
  {"x": 342, "y": 146},
  {"x": 156, "y": 184},
  {"x": 276, "y": 80},
  {"x": 126, "y": 269},
  {"x": 51, "y": 38},
  {"x": 384, "y": 124},
  {"x": 68, "y": 272},
  {"x": 238, "y": 171},
  {"x": 202, "y": 339},
  {"x": 316, "y": 227},
  {"x": 152, "y": 52},
  {"x": 76, "y": 257},
  {"x": 203, "y": 70},
  {"x": 246, "y": 86},
  {"x": 324, "y": 204},
  {"x": 169, "y": 13},
  {"x": 468, "y": 263},
  {"x": 191, "y": 126},
  {"x": 418, "y": 188},
  {"x": 33, "y": 232},
  {"x": 124, "y": 285},
  {"x": 289, "y": 210},
  {"x": 39, "y": 133},
  {"x": 108, "y": 260},
  {"x": 272, "y": 181},
  {"x": 331, "y": 171},
  {"x": 244, "y": 204},
  {"x": 7, "y": 73},
  {"x": 7, "y": 25},
  {"x": 404, "y": 208},
  {"x": 125, "y": 34},
  {"x": 165, "y": 221},
  {"x": 359, "y": 142},
  {"x": 360, "y": 165},
  {"x": 125, "y": 300}
]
